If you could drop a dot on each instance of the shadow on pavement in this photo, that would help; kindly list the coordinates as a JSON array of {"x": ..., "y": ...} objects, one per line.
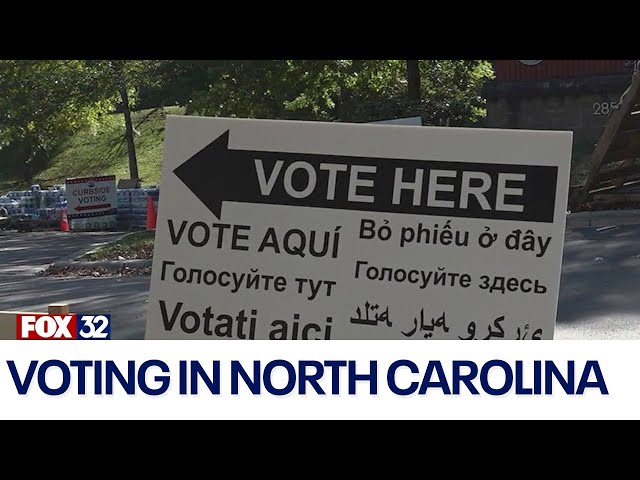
[{"x": 600, "y": 273}]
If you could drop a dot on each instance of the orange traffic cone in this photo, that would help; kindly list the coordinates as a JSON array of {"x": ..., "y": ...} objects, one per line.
[
  {"x": 64, "y": 222},
  {"x": 151, "y": 214}
]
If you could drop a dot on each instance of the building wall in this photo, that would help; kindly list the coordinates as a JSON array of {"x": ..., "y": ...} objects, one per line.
[
  {"x": 586, "y": 115},
  {"x": 582, "y": 107},
  {"x": 542, "y": 99}
]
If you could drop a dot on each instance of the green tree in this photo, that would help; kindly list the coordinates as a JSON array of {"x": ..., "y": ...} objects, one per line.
[
  {"x": 452, "y": 90},
  {"x": 42, "y": 103},
  {"x": 175, "y": 82},
  {"x": 345, "y": 90},
  {"x": 117, "y": 83}
]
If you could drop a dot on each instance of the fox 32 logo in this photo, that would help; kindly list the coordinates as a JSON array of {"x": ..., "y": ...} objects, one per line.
[{"x": 73, "y": 326}]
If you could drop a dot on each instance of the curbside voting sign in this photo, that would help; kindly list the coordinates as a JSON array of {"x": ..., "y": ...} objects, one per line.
[
  {"x": 286, "y": 230},
  {"x": 89, "y": 197}
]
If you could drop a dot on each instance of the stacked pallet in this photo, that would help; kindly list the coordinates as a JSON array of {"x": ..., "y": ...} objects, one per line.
[
  {"x": 132, "y": 207},
  {"x": 46, "y": 206}
]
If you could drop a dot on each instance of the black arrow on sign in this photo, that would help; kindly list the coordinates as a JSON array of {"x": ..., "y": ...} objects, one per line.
[{"x": 217, "y": 174}]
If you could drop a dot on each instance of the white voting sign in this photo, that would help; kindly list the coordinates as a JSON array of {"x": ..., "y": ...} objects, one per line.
[
  {"x": 91, "y": 196},
  {"x": 308, "y": 230}
]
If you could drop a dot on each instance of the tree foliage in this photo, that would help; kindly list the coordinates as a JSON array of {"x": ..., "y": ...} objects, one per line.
[
  {"x": 44, "y": 101},
  {"x": 343, "y": 90},
  {"x": 118, "y": 82}
]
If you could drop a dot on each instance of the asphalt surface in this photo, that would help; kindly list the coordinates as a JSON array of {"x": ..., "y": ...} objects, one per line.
[
  {"x": 600, "y": 284},
  {"x": 23, "y": 254},
  {"x": 599, "y": 291}
]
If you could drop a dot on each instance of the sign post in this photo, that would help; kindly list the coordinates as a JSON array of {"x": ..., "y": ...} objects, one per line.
[{"x": 308, "y": 230}]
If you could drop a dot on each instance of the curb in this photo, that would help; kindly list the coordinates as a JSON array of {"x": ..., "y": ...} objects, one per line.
[
  {"x": 83, "y": 251},
  {"x": 110, "y": 265}
]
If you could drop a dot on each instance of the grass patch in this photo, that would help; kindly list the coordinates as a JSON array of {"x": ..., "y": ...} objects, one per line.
[
  {"x": 138, "y": 245},
  {"x": 104, "y": 152},
  {"x": 100, "y": 152}
]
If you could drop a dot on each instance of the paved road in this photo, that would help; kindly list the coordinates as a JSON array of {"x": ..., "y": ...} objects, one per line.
[
  {"x": 600, "y": 284},
  {"x": 23, "y": 253},
  {"x": 20, "y": 253},
  {"x": 599, "y": 291}
]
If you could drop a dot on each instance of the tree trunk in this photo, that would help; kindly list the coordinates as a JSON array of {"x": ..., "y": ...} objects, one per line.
[
  {"x": 29, "y": 154},
  {"x": 28, "y": 172},
  {"x": 413, "y": 80},
  {"x": 131, "y": 146}
]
